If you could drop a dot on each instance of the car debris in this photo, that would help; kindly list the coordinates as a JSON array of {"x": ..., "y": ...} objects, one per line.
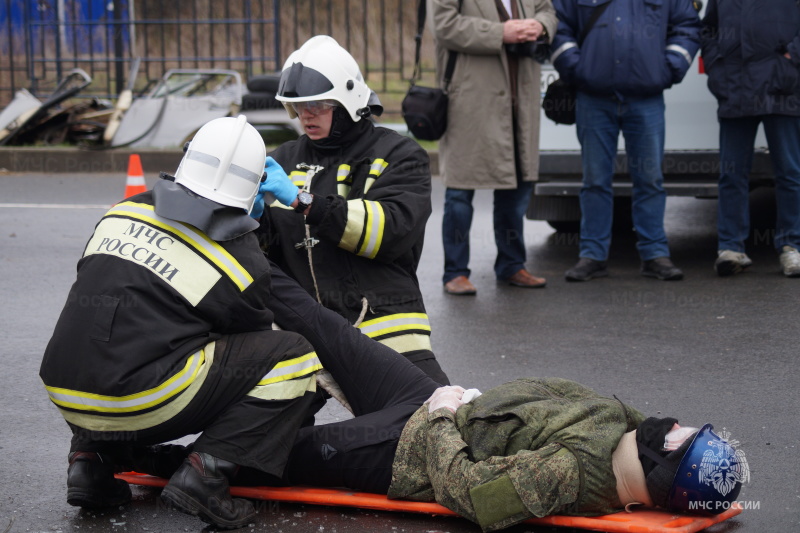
[
  {"x": 27, "y": 120},
  {"x": 185, "y": 99},
  {"x": 166, "y": 116}
]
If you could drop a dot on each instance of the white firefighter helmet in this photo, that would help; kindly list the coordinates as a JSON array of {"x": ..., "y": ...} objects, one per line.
[
  {"x": 224, "y": 162},
  {"x": 323, "y": 70}
]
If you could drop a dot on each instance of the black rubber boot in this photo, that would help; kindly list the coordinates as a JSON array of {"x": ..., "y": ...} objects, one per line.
[
  {"x": 91, "y": 482},
  {"x": 200, "y": 488},
  {"x": 162, "y": 460}
]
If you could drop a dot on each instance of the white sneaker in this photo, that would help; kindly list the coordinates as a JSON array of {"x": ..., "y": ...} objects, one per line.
[
  {"x": 790, "y": 261},
  {"x": 729, "y": 262}
]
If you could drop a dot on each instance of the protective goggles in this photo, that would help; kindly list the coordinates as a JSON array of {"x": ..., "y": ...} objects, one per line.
[{"x": 314, "y": 107}]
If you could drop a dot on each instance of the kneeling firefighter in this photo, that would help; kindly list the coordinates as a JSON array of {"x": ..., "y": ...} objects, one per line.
[{"x": 166, "y": 333}]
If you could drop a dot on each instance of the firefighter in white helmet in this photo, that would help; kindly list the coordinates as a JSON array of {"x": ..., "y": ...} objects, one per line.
[
  {"x": 166, "y": 333},
  {"x": 350, "y": 217}
]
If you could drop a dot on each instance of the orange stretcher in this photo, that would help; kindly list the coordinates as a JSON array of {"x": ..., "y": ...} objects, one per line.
[{"x": 638, "y": 521}]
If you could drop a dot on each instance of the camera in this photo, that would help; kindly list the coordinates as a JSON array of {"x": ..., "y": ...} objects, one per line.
[{"x": 538, "y": 50}]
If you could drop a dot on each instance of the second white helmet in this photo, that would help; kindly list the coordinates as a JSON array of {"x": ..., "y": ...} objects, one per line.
[
  {"x": 224, "y": 162},
  {"x": 323, "y": 70}
]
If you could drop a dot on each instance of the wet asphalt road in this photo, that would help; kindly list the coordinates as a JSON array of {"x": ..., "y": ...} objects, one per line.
[{"x": 703, "y": 350}]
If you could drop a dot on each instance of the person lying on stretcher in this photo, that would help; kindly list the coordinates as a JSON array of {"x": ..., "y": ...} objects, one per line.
[{"x": 528, "y": 448}]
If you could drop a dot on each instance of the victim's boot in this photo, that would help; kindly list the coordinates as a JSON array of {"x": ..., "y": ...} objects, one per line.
[
  {"x": 201, "y": 488},
  {"x": 91, "y": 482},
  {"x": 161, "y": 460}
]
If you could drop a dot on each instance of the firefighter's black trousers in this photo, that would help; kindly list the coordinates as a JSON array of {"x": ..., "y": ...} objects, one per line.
[{"x": 234, "y": 425}]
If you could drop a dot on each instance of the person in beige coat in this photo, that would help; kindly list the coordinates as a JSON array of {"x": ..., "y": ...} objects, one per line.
[{"x": 492, "y": 138}]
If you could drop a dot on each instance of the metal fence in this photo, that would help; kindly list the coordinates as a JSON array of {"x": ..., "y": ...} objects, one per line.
[{"x": 41, "y": 40}]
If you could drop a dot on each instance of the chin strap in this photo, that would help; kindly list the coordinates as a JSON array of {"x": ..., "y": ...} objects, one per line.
[{"x": 644, "y": 450}]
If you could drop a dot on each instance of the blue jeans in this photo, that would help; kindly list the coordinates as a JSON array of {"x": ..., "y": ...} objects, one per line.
[
  {"x": 509, "y": 210},
  {"x": 641, "y": 120},
  {"x": 736, "y": 140}
]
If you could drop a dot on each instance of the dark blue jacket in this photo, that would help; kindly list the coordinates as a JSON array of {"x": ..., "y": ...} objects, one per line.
[
  {"x": 636, "y": 48},
  {"x": 744, "y": 42}
]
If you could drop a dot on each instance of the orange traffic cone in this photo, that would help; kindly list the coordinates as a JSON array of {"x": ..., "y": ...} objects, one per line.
[{"x": 135, "y": 182}]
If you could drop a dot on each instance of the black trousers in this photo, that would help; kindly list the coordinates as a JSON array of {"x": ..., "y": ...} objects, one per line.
[
  {"x": 235, "y": 426},
  {"x": 383, "y": 388}
]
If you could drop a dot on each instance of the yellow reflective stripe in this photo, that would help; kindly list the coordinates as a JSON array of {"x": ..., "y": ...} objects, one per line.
[
  {"x": 343, "y": 181},
  {"x": 284, "y": 390},
  {"x": 393, "y": 323},
  {"x": 298, "y": 177},
  {"x": 342, "y": 173},
  {"x": 373, "y": 234},
  {"x": 355, "y": 225},
  {"x": 378, "y": 167},
  {"x": 409, "y": 342},
  {"x": 86, "y": 401},
  {"x": 200, "y": 242},
  {"x": 292, "y": 368},
  {"x": 96, "y": 422}
]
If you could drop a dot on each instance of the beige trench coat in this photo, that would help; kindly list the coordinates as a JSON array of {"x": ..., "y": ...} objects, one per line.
[{"x": 477, "y": 151}]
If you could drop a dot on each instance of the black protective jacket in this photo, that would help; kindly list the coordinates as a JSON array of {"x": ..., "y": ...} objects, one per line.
[
  {"x": 150, "y": 294},
  {"x": 367, "y": 223}
]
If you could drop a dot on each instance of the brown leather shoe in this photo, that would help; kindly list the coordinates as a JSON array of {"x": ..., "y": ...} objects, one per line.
[
  {"x": 460, "y": 286},
  {"x": 525, "y": 279}
]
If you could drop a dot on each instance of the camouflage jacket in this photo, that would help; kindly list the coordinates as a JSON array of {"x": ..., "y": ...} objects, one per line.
[{"x": 531, "y": 447}]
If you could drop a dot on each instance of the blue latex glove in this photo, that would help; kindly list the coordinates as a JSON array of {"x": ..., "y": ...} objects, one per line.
[
  {"x": 278, "y": 183},
  {"x": 258, "y": 205}
]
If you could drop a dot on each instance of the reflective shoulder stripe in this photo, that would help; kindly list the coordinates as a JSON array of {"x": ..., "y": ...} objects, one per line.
[
  {"x": 285, "y": 390},
  {"x": 680, "y": 50},
  {"x": 86, "y": 401},
  {"x": 561, "y": 49},
  {"x": 354, "y": 226},
  {"x": 377, "y": 167},
  {"x": 375, "y": 170},
  {"x": 343, "y": 180},
  {"x": 136, "y": 422},
  {"x": 373, "y": 230},
  {"x": 298, "y": 177},
  {"x": 394, "y": 323},
  {"x": 292, "y": 368},
  {"x": 409, "y": 342},
  {"x": 343, "y": 173},
  {"x": 210, "y": 249}
]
